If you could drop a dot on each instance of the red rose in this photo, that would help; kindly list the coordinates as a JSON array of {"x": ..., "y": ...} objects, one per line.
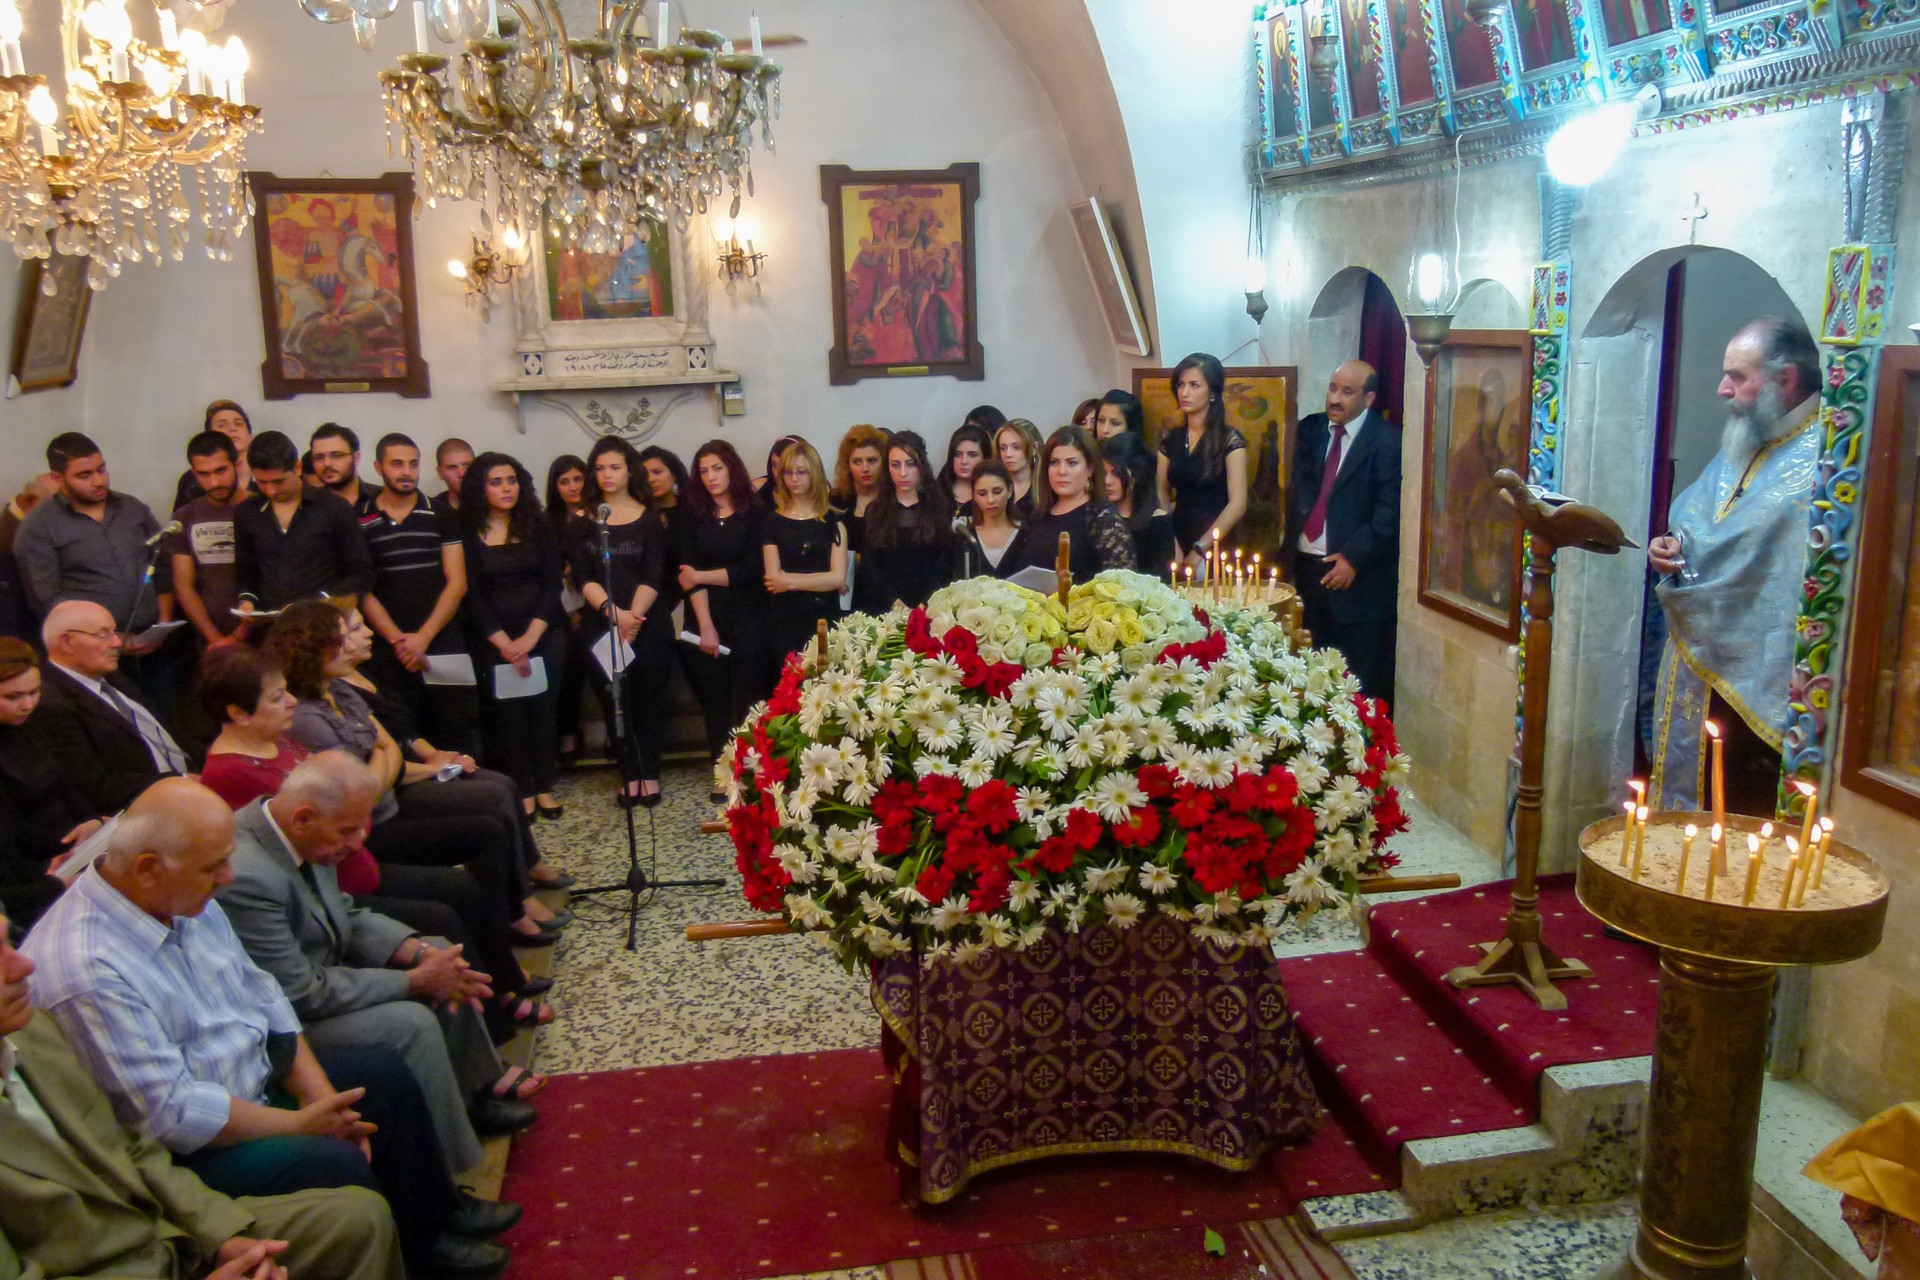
[{"x": 919, "y": 635}]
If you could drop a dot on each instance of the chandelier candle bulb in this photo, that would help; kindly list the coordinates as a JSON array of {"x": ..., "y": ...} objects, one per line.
[
  {"x": 753, "y": 25},
  {"x": 1639, "y": 840},
  {"x": 493, "y": 18},
  {"x": 1753, "y": 870},
  {"x": 664, "y": 36},
  {"x": 236, "y": 70},
  {"x": 169, "y": 28},
  {"x": 420, "y": 25}
]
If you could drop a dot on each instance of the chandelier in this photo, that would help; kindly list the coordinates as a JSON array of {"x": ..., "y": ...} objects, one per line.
[
  {"x": 597, "y": 133},
  {"x": 143, "y": 122}
]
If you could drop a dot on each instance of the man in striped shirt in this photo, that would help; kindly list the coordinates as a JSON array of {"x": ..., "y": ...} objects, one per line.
[{"x": 199, "y": 1050}]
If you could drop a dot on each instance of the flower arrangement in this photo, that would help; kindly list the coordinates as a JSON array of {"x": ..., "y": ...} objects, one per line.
[{"x": 970, "y": 773}]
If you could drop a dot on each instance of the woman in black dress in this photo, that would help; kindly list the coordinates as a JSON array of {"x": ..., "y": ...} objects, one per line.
[
  {"x": 1076, "y": 506},
  {"x": 1119, "y": 414},
  {"x": 42, "y": 817},
  {"x": 723, "y": 575},
  {"x": 858, "y": 477},
  {"x": 1203, "y": 465},
  {"x": 989, "y": 540},
  {"x": 909, "y": 551},
  {"x": 636, "y": 562},
  {"x": 1130, "y": 489},
  {"x": 1017, "y": 444},
  {"x": 966, "y": 450},
  {"x": 566, "y": 500},
  {"x": 804, "y": 550},
  {"x": 513, "y": 602}
]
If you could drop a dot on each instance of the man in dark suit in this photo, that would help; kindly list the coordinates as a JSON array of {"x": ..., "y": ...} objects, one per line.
[
  {"x": 1343, "y": 525},
  {"x": 108, "y": 738}
]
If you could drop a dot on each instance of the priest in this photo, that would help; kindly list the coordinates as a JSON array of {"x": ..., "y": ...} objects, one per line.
[{"x": 1732, "y": 565}]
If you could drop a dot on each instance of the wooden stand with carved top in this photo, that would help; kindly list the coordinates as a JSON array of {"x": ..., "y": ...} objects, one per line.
[{"x": 1521, "y": 957}]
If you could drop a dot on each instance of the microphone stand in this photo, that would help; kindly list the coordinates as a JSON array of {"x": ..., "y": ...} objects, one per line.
[
  {"x": 637, "y": 880},
  {"x": 146, "y": 581}
]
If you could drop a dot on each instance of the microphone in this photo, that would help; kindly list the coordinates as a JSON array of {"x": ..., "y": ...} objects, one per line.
[
  {"x": 604, "y": 514},
  {"x": 172, "y": 527}
]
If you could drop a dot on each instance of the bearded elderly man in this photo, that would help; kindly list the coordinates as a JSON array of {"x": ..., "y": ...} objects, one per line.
[{"x": 1733, "y": 565}]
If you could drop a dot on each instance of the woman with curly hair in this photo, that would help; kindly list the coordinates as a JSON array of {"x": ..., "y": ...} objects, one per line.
[
  {"x": 513, "y": 604},
  {"x": 624, "y": 595},
  {"x": 472, "y": 820}
]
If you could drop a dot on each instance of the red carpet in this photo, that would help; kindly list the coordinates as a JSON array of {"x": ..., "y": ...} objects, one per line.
[
  {"x": 774, "y": 1165},
  {"x": 1399, "y": 1054}
]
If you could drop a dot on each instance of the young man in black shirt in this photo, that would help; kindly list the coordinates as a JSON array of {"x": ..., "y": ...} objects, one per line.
[
  {"x": 293, "y": 542},
  {"x": 336, "y": 460},
  {"x": 419, "y": 578}
]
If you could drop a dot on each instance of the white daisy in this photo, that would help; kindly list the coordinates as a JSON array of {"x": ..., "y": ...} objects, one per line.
[
  {"x": 1156, "y": 879},
  {"x": 1024, "y": 894},
  {"x": 949, "y": 913},
  {"x": 974, "y": 772},
  {"x": 806, "y": 912},
  {"x": 1123, "y": 909},
  {"x": 1109, "y": 877},
  {"x": 1308, "y": 887},
  {"x": 1114, "y": 795}
]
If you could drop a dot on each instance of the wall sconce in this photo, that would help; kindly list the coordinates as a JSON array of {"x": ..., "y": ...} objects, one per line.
[
  {"x": 486, "y": 267},
  {"x": 736, "y": 263},
  {"x": 1429, "y": 326}
]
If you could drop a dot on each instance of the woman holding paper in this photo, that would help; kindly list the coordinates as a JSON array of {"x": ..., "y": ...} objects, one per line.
[
  {"x": 722, "y": 574},
  {"x": 622, "y": 589},
  {"x": 513, "y": 598}
]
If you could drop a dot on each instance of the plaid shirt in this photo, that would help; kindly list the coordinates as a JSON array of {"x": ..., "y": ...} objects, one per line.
[{"x": 172, "y": 1021}]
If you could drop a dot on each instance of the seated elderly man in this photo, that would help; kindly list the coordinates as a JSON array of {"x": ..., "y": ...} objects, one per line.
[
  {"x": 106, "y": 735},
  {"x": 354, "y": 976},
  {"x": 80, "y": 1195},
  {"x": 198, "y": 1050}
]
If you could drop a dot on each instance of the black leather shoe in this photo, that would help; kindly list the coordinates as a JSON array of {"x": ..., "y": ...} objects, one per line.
[
  {"x": 453, "y": 1257},
  {"x": 559, "y": 920},
  {"x": 493, "y": 1117},
  {"x": 544, "y": 938},
  {"x": 478, "y": 1219}
]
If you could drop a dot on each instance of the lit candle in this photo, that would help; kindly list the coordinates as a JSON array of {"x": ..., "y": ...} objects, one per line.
[
  {"x": 1719, "y": 795},
  {"x": 236, "y": 70},
  {"x": 1793, "y": 868},
  {"x": 1714, "y": 836},
  {"x": 1639, "y": 790},
  {"x": 420, "y": 25},
  {"x": 1809, "y": 831},
  {"x": 1820, "y": 854},
  {"x": 1639, "y": 840},
  {"x": 753, "y": 25},
  {"x": 1173, "y": 573},
  {"x": 45, "y": 114},
  {"x": 1686, "y": 856},
  {"x": 169, "y": 29},
  {"x": 1753, "y": 870}
]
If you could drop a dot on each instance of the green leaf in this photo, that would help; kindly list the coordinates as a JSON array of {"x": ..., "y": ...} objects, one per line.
[{"x": 1214, "y": 1244}]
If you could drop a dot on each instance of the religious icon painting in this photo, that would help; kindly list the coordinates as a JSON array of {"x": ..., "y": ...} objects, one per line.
[
  {"x": 1629, "y": 20},
  {"x": 902, "y": 273},
  {"x": 1412, "y": 53},
  {"x": 337, "y": 299},
  {"x": 1478, "y": 397},
  {"x": 1363, "y": 59},
  {"x": 632, "y": 279},
  {"x": 1546, "y": 34},
  {"x": 1469, "y": 49},
  {"x": 1286, "y": 111},
  {"x": 50, "y": 321}
]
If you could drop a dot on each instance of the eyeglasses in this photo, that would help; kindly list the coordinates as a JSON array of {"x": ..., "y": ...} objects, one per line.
[{"x": 110, "y": 634}]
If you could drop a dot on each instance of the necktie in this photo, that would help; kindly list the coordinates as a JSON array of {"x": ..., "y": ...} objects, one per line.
[
  {"x": 167, "y": 756},
  {"x": 1317, "y": 518}
]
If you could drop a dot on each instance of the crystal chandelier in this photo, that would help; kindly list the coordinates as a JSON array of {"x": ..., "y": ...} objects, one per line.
[
  {"x": 142, "y": 123},
  {"x": 597, "y": 133}
]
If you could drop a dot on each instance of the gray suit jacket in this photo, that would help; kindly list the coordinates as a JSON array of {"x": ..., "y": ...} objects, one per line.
[{"x": 328, "y": 954}]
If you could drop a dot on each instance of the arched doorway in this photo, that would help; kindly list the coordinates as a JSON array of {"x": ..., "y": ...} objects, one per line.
[
  {"x": 1355, "y": 317},
  {"x": 1643, "y": 417}
]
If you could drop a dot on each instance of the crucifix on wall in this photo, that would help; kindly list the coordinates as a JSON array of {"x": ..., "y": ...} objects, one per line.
[{"x": 1691, "y": 215}]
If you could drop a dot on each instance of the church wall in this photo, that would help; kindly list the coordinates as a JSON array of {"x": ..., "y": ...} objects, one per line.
[
  {"x": 1455, "y": 685},
  {"x": 162, "y": 341}
]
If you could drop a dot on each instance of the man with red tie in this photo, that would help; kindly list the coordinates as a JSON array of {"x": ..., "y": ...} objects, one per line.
[{"x": 1343, "y": 524}]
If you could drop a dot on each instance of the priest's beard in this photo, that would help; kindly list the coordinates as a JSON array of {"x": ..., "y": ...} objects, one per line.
[{"x": 1749, "y": 432}]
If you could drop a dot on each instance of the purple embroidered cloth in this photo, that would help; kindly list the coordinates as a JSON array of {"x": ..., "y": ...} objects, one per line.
[{"x": 1141, "y": 1039}]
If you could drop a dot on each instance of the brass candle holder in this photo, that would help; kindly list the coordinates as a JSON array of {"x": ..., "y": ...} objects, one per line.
[{"x": 1718, "y": 959}]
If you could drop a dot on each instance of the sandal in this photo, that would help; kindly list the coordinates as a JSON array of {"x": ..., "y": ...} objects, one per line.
[
  {"x": 517, "y": 1084},
  {"x": 528, "y": 1011}
]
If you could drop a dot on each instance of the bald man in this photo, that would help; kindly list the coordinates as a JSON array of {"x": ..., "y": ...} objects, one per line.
[
  {"x": 108, "y": 737},
  {"x": 1343, "y": 524},
  {"x": 200, "y": 1052}
]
